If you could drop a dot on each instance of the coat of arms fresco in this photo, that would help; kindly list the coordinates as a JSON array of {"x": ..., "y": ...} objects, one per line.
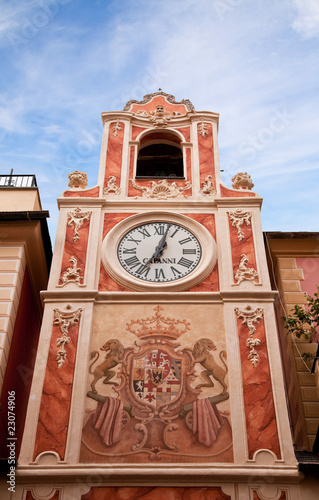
[{"x": 156, "y": 411}]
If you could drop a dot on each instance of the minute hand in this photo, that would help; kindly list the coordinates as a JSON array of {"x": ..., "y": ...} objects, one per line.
[{"x": 160, "y": 247}]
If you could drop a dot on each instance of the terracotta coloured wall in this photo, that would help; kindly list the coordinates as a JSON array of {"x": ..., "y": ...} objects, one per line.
[
  {"x": 56, "y": 396},
  {"x": 114, "y": 154},
  {"x": 106, "y": 283},
  {"x": 245, "y": 246},
  {"x": 262, "y": 432},
  {"x": 77, "y": 249}
]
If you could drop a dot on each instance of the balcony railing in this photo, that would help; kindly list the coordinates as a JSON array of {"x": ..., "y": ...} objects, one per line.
[{"x": 17, "y": 181}]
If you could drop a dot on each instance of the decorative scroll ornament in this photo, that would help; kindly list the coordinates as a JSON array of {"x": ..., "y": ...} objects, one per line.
[
  {"x": 116, "y": 127},
  {"x": 250, "y": 318},
  {"x": 76, "y": 219},
  {"x": 202, "y": 129},
  {"x": 158, "y": 325},
  {"x": 162, "y": 190},
  {"x": 72, "y": 274},
  {"x": 77, "y": 179},
  {"x": 111, "y": 186},
  {"x": 238, "y": 217},
  {"x": 64, "y": 320},
  {"x": 245, "y": 273},
  {"x": 207, "y": 187},
  {"x": 169, "y": 97},
  {"x": 242, "y": 181},
  {"x": 159, "y": 117}
]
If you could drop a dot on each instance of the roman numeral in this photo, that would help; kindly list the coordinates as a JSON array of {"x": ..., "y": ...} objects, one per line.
[
  {"x": 159, "y": 230},
  {"x": 144, "y": 232},
  {"x": 129, "y": 250},
  {"x": 189, "y": 251},
  {"x": 133, "y": 240},
  {"x": 176, "y": 272},
  {"x": 132, "y": 262},
  {"x": 186, "y": 240},
  {"x": 143, "y": 270},
  {"x": 185, "y": 262},
  {"x": 159, "y": 273},
  {"x": 172, "y": 235}
]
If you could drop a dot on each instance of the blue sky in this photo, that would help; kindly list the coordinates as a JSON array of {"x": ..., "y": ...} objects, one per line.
[{"x": 255, "y": 62}]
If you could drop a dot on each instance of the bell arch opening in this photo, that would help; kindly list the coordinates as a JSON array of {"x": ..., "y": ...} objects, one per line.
[{"x": 160, "y": 156}]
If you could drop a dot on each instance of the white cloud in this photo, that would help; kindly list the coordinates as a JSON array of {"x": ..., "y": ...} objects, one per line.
[{"x": 307, "y": 21}]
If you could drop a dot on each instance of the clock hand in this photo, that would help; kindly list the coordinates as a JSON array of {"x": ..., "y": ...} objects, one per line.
[
  {"x": 162, "y": 242},
  {"x": 159, "y": 249}
]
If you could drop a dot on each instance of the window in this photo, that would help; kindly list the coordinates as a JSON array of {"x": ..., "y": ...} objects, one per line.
[{"x": 160, "y": 156}]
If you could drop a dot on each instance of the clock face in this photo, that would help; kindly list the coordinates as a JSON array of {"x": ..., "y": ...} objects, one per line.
[{"x": 159, "y": 252}]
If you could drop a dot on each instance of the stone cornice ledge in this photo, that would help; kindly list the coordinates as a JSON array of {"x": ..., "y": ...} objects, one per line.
[
  {"x": 157, "y": 297},
  {"x": 71, "y": 201},
  {"x": 249, "y": 295},
  {"x": 240, "y": 201},
  {"x": 68, "y": 295},
  {"x": 194, "y": 474}
]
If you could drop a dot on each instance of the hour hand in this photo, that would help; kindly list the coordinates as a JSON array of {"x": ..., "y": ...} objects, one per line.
[
  {"x": 158, "y": 252},
  {"x": 159, "y": 249}
]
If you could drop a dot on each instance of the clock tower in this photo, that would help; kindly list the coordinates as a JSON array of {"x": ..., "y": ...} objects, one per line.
[{"x": 158, "y": 367}]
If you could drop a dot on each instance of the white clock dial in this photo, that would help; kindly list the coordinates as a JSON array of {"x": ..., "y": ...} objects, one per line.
[{"x": 159, "y": 252}]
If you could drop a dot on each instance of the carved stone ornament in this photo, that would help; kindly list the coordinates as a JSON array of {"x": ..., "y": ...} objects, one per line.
[
  {"x": 242, "y": 181},
  {"x": 250, "y": 318},
  {"x": 207, "y": 187},
  {"x": 162, "y": 190},
  {"x": 72, "y": 274},
  {"x": 116, "y": 127},
  {"x": 169, "y": 97},
  {"x": 76, "y": 218},
  {"x": 245, "y": 273},
  {"x": 238, "y": 217},
  {"x": 202, "y": 128},
  {"x": 77, "y": 179},
  {"x": 64, "y": 320},
  {"x": 111, "y": 186}
]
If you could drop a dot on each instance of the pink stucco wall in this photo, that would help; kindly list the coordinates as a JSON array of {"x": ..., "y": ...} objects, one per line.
[{"x": 310, "y": 267}]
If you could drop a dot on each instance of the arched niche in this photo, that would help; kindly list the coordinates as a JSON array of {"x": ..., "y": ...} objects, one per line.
[{"x": 160, "y": 156}]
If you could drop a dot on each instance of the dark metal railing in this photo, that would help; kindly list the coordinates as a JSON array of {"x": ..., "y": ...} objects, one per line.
[{"x": 17, "y": 181}]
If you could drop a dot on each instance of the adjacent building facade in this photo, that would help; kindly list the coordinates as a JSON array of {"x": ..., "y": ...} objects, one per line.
[{"x": 158, "y": 370}]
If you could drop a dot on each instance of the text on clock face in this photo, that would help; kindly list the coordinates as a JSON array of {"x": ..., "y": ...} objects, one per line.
[{"x": 159, "y": 252}]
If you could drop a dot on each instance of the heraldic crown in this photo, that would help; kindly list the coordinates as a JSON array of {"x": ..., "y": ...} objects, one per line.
[{"x": 158, "y": 326}]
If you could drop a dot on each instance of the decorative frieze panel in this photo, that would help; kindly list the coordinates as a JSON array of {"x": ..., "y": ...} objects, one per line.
[
  {"x": 72, "y": 274},
  {"x": 245, "y": 273},
  {"x": 237, "y": 218},
  {"x": 64, "y": 320},
  {"x": 76, "y": 219},
  {"x": 202, "y": 128},
  {"x": 116, "y": 127},
  {"x": 208, "y": 187},
  {"x": 111, "y": 187},
  {"x": 250, "y": 318},
  {"x": 260, "y": 415},
  {"x": 158, "y": 117},
  {"x": 53, "y": 423},
  {"x": 162, "y": 190}
]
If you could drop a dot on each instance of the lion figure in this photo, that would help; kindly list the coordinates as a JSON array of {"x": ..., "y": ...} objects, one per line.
[
  {"x": 114, "y": 355},
  {"x": 201, "y": 353}
]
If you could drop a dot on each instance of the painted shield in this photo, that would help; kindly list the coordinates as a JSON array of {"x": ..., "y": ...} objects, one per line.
[{"x": 156, "y": 378}]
